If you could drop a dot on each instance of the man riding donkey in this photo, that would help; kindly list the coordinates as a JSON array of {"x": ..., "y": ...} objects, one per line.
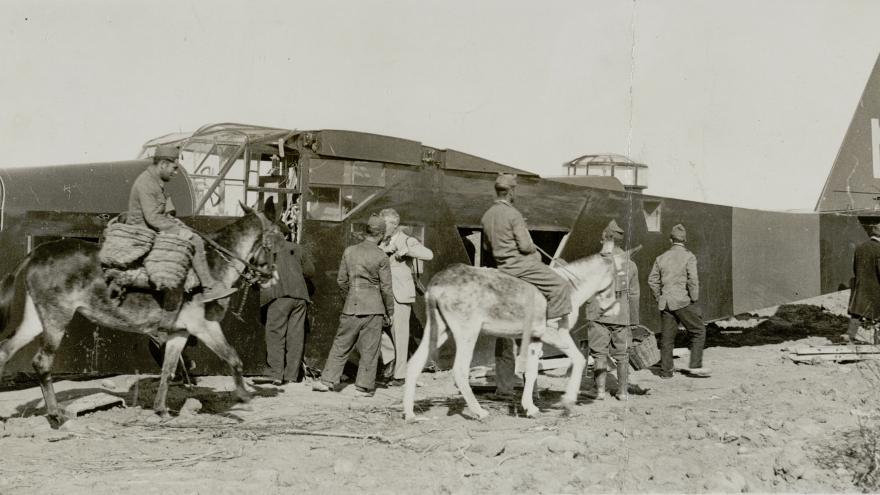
[
  {"x": 507, "y": 239},
  {"x": 149, "y": 205}
]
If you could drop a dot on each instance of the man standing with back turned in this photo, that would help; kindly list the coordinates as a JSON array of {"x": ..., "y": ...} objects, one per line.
[
  {"x": 864, "y": 301},
  {"x": 675, "y": 285},
  {"x": 365, "y": 277}
]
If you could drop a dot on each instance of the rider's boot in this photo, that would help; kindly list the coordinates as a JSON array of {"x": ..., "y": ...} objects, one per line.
[
  {"x": 213, "y": 289},
  {"x": 622, "y": 379},
  {"x": 599, "y": 378}
]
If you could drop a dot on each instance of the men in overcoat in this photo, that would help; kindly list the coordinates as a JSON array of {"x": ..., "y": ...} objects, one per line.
[
  {"x": 286, "y": 304},
  {"x": 365, "y": 279},
  {"x": 611, "y": 336},
  {"x": 404, "y": 252},
  {"x": 676, "y": 287},
  {"x": 864, "y": 301}
]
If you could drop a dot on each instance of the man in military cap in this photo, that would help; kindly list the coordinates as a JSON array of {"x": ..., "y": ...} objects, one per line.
[
  {"x": 150, "y": 205},
  {"x": 676, "y": 286},
  {"x": 507, "y": 239},
  {"x": 365, "y": 277},
  {"x": 611, "y": 336}
]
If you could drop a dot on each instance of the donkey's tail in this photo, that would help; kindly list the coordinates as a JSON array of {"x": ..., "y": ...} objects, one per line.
[
  {"x": 12, "y": 297},
  {"x": 434, "y": 326}
]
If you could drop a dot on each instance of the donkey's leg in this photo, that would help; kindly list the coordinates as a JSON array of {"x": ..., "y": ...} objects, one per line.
[
  {"x": 55, "y": 323},
  {"x": 212, "y": 336},
  {"x": 28, "y": 329},
  {"x": 465, "y": 340},
  {"x": 530, "y": 377},
  {"x": 415, "y": 366},
  {"x": 173, "y": 348},
  {"x": 562, "y": 340}
]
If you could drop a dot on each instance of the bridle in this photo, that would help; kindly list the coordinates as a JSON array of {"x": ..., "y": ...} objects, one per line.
[{"x": 251, "y": 274}]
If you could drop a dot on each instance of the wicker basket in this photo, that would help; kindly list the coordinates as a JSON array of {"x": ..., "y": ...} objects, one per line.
[
  {"x": 124, "y": 244},
  {"x": 168, "y": 261},
  {"x": 644, "y": 352}
]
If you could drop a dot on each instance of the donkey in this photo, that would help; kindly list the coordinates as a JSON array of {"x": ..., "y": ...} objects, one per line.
[
  {"x": 469, "y": 301},
  {"x": 59, "y": 278}
]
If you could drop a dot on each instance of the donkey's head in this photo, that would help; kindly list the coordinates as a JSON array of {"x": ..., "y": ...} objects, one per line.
[{"x": 258, "y": 242}]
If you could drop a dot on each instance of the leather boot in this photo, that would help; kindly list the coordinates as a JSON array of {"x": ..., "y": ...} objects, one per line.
[
  {"x": 599, "y": 378},
  {"x": 622, "y": 379}
]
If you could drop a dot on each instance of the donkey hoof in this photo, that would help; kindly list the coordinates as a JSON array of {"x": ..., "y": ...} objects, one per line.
[
  {"x": 480, "y": 414},
  {"x": 532, "y": 412},
  {"x": 163, "y": 413},
  {"x": 244, "y": 396},
  {"x": 56, "y": 420}
]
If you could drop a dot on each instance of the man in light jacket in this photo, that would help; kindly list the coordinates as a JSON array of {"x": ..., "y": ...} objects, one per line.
[
  {"x": 676, "y": 287},
  {"x": 404, "y": 253}
]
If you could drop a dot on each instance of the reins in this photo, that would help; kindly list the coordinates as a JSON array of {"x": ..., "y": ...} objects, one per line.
[{"x": 563, "y": 265}]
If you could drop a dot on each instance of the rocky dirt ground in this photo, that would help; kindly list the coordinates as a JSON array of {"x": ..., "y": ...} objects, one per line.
[{"x": 760, "y": 424}]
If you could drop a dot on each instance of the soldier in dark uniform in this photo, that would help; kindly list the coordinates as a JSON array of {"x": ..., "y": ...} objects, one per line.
[
  {"x": 150, "y": 205},
  {"x": 365, "y": 277},
  {"x": 864, "y": 301},
  {"x": 611, "y": 336},
  {"x": 507, "y": 239}
]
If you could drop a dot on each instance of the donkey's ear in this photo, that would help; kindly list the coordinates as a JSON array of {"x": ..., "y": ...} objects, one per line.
[
  {"x": 245, "y": 208},
  {"x": 269, "y": 210}
]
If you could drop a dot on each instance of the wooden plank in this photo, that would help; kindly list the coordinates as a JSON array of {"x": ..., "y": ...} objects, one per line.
[
  {"x": 92, "y": 403},
  {"x": 838, "y": 349},
  {"x": 833, "y": 357}
]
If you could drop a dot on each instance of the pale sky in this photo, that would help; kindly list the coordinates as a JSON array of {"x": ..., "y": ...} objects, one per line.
[{"x": 733, "y": 102}]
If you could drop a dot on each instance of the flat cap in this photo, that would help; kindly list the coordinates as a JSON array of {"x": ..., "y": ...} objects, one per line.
[
  {"x": 679, "y": 234},
  {"x": 166, "y": 152},
  {"x": 505, "y": 182},
  {"x": 613, "y": 231}
]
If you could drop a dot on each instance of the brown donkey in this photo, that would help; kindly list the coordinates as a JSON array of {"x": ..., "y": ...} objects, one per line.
[{"x": 58, "y": 279}]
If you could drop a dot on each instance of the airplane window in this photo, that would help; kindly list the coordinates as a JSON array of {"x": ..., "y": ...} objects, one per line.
[
  {"x": 652, "y": 210},
  {"x": 367, "y": 174},
  {"x": 327, "y": 171},
  {"x": 347, "y": 173},
  {"x": 323, "y": 204}
]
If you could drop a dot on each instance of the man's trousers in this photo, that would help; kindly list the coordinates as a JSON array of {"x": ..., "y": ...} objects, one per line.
[
  {"x": 396, "y": 348},
  {"x": 285, "y": 338},
  {"x": 693, "y": 323},
  {"x": 363, "y": 331}
]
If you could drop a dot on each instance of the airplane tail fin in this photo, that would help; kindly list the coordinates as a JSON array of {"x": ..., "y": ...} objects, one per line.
[{"x": 854, "y": 181}]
